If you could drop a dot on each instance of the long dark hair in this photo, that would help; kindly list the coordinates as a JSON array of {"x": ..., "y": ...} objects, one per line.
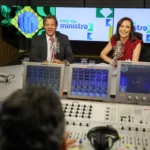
[{"x": 132, "y": 36}]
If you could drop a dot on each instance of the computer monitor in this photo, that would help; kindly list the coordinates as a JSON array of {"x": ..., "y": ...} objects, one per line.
[
  {"x": 49, "y": 75},
  {"x": 89, "y": 82},
  {"x": 133, "y": 82}
]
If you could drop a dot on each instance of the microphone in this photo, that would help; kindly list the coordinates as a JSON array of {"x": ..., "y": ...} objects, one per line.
[
  {"x": 118, "y": 53},
  {"x": 56, "y": 47}
]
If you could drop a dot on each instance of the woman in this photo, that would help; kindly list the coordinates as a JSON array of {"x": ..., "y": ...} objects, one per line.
[{"x": 131, "y": 46}]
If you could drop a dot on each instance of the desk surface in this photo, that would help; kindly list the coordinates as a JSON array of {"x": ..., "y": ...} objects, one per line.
[{"x": 14, "y": 84}]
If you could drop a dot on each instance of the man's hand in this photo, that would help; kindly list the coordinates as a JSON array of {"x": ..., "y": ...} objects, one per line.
[
  {"x": 57, "y": 61},
  {"x": 69, "y": 142},
  {"x": 46, "y": 62}
]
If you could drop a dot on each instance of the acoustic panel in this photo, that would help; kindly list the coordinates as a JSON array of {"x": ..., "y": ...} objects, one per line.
[
  {"x": 147, "y": 3},
  {"x": 115, "y": 3},
  {"x": 7, "y": 2},
  {"x": 61, "y": 3},
  {"x": 14, "y": 2}
]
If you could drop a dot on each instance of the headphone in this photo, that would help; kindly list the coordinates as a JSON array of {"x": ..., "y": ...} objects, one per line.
[{"x": 102, "y": 137}]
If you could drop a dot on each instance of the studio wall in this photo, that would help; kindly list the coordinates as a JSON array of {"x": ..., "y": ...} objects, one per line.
[
  {"x": 115, "y": 3},
  {"x": 147, "y": 3},
  {"x": 8, "y": 52}
]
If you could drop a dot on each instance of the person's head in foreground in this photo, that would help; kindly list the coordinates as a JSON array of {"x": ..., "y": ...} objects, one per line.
[{"x": 32, "y": 119}]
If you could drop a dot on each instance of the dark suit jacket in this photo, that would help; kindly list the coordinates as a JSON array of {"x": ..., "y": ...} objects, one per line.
[{"x": 39, "y": 48}]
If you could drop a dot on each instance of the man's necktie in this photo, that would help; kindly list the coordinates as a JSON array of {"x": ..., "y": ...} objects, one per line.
[{"x": 51, "y": 50}]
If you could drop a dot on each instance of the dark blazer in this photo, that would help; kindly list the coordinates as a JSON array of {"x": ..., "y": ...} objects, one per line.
[{"x": 38, "y": 51}]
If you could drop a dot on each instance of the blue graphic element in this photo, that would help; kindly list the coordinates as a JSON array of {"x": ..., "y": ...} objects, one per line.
[
  {"x": 107, "y": 22},
  {"x": 140, "y": 28},
  {"x": 148, "y": 38},
  {"x": 28, "y": 22},
  {"x": 89, "y": 36}
]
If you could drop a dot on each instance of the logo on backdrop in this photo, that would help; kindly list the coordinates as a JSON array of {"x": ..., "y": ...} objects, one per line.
[
  {"x": 107, "y": 13},
  {"x": 73, "y": 25},
  {"x": 143, "y": 28}
]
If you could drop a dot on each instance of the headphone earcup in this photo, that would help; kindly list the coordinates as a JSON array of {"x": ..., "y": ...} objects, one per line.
[
  {"x": 103, "y": 142},
  {"x": 100, "y": 136}
]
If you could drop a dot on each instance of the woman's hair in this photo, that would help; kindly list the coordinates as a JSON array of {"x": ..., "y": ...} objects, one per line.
[{"x": 132, "y": 36}]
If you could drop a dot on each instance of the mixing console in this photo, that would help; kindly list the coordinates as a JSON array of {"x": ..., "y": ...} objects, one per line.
[{"x": 131, "y": 121}]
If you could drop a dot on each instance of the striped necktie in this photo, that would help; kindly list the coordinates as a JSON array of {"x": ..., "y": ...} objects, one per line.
[{"x": 51, "y": 50}]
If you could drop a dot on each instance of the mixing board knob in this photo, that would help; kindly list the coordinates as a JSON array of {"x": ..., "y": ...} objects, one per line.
[
  {"x": 74, "y": 123},
  {"x": 141, "y": 121},
  {"x": 144, "y": 98},
  {"x": 129, "y": 97},
  {"x": 127, "y": 145},
  {"x": 136, "y": 97},
  {"x": 129, "y": 128},
  {"x": 136, "y": 129},
  {"x": 80, "y": 124},
  {"x": 87, "y": 124}
]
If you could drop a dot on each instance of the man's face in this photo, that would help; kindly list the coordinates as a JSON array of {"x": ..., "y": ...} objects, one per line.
[{"x": 50, "y": 26}]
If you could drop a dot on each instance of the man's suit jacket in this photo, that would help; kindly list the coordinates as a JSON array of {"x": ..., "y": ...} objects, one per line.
[{"x": 39, "y": 48}]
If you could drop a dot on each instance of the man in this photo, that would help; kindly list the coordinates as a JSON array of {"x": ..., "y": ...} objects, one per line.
[
  {"x": 41, "y": 50},
  {"x": 32, "y": 119}
]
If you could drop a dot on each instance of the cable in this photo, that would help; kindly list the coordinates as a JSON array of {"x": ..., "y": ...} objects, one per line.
[{"x": 7, "y": 77}]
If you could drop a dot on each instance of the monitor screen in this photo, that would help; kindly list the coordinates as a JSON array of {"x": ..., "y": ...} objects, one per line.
[
  {"x": 133, "y": 80},
  {"x": 140, "y": 17},
  {"x": 36, "y": 74},
  {"x": 89, "y": 82},
  {"x": 85, "y": 24}
]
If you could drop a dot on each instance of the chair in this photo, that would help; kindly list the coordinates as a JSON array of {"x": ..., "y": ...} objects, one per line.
[
  {"x": 138, "y": 35},
  {"x": 145, "y": 51},
  {"x": 145, "y": 54}
]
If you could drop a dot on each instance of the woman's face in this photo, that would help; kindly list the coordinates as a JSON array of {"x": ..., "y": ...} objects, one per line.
[{"x": 125, "y": 29}]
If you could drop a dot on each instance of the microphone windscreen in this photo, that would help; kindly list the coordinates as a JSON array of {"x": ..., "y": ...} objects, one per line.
[{"x": 118, "y": 44}]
